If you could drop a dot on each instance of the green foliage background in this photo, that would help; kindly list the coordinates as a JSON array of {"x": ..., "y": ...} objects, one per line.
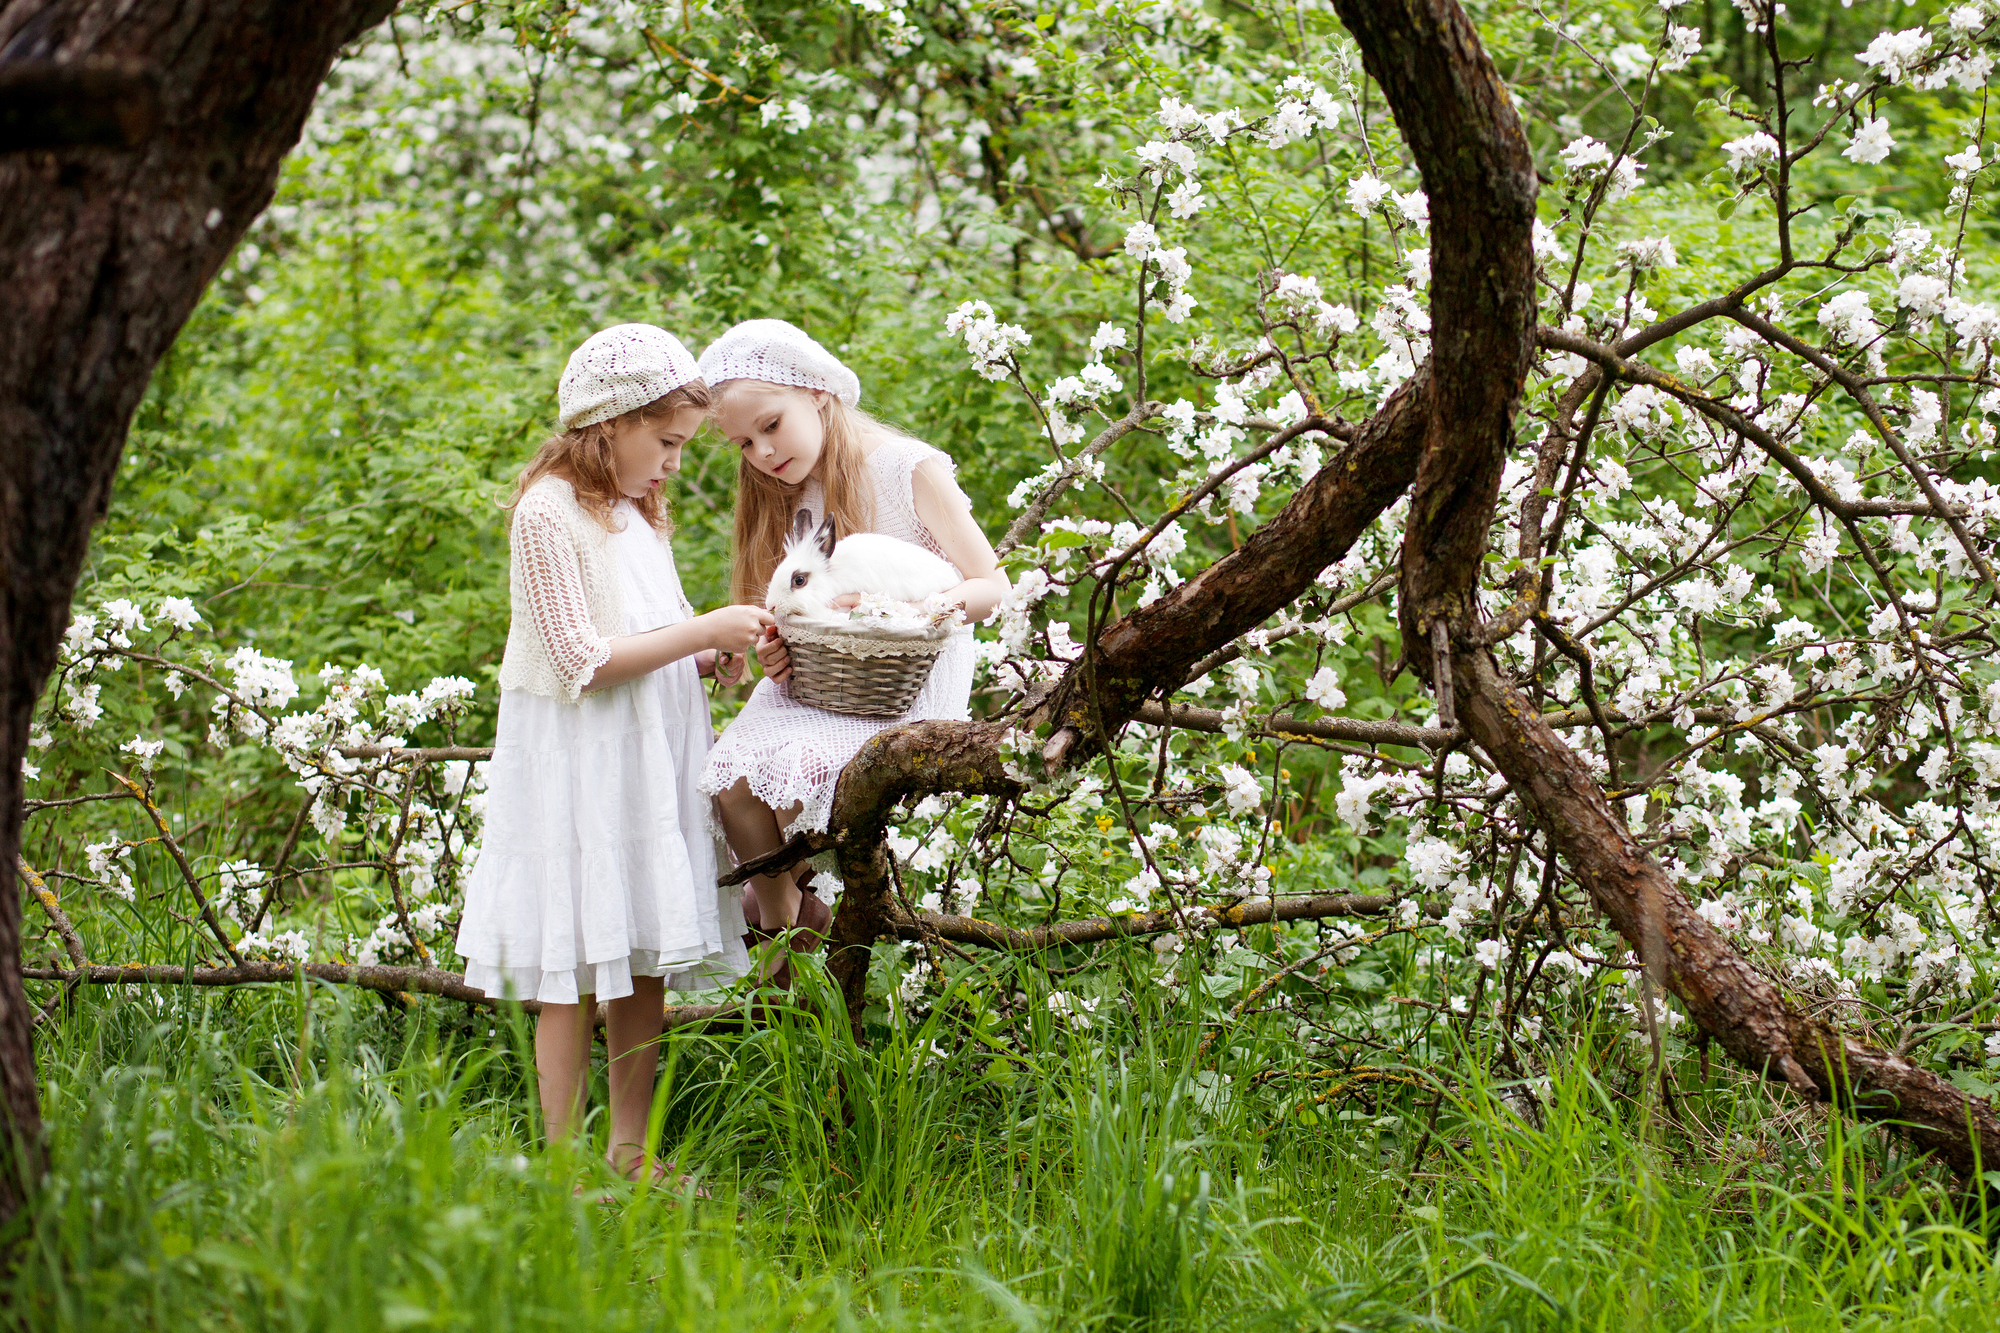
[{"x": 322, "y": 458}]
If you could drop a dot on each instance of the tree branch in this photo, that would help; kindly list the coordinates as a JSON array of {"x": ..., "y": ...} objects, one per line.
[
  {"x": 387, "y": 980},
  {"x": 1099, "y": 929},
  {"x": 72, "y": 945}
]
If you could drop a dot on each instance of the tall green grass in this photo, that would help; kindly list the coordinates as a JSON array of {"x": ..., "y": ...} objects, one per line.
[{"x": 307, "y": 1159}]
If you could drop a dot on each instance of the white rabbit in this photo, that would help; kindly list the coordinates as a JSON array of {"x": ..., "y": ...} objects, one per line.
[{"x": 816, "y": 569}]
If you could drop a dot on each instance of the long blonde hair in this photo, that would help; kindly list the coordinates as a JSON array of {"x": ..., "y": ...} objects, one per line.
[
  {"x": 582, "y": 457},
  {"x": 765, "y": 505}
]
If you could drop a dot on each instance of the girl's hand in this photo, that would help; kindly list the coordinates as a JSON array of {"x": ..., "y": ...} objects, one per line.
[
  {"x": 734, "y": 629},
  {"x": 773, "y": 656},
  {"x": 730, "y": 667},
  {"x": 704, "y": 662}
]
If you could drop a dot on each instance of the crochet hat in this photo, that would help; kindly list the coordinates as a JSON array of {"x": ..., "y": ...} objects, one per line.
[
  {"x": 778, "y": 353},
  {"x": 619, "y": 369}
]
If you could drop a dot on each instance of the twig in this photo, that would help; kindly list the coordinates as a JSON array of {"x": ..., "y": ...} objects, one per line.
[
  {"x": 47, "y": 898},
  {"x": 284, "y": 857},
  {"x": 1030, "y": 521},
  {"x": 1258, "y": 992},
  {"x": 1324, "y": 728},
  {"x": 29, "y": 807},
  {"x": 1228, "y": 653},
  {"x": 395, "y": 879},
  {"x": 797, "y": 848},
  {"x": 180, "y": 859}
]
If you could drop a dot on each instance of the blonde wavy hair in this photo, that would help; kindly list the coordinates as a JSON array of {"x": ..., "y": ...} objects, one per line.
[
  {"x": 582, "y": 457},
  {"x": 765, "y": 505}
]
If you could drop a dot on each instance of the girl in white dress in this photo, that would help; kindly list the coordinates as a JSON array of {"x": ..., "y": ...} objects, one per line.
[
  {"x": 790, "y": 406},
  {"x": 597, "y": 877}
]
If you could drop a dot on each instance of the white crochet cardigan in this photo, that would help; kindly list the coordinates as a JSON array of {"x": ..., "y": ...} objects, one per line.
[{"x": 568, "y": 602}]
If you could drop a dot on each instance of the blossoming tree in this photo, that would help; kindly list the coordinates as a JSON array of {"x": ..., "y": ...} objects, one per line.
[
  {"x": 1535, "y": 602},
  {"x": 1590, "y": 581}
]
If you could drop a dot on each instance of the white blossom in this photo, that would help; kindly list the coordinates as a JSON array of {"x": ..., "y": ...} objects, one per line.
[
  {"x": 1871, "y": 143},
  {"x": 1751, "y": 152},
  {"x": 1895, "y": 53},
  {"x": 1324, "y": 690},
  {"x": 790, "y": 115},
  {"x": 1366, "y": 192},
  {"x": 1186, "y": 199},
  {"x": 1849, "y": 319},
  {"x": 1074, "y": 1011},
  {"x": 1683, "y": 45},
  {"x": 991, "y": 343},
  {"x": 1655, "y": 252},
  {"x": 179, "y": 612},
  {"x": 1922, "y": 294},
  {"x": 1241, "y": 789},
  {"x": 145, "y": 751}
]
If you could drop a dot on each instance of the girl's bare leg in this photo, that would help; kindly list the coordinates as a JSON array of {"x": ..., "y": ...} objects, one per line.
[
  {"x": 562, "y": 1061},
  {"x": 752, "y": 831},
  {"x": 632, "y": 1038}
]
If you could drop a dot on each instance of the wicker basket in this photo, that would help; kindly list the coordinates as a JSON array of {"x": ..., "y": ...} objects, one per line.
[{"x": 862, "y": 674}]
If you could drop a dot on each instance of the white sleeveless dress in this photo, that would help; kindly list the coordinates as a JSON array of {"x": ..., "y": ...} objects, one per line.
[
  {"x": 598, "y": 862},
  {"x": 792, "y": 752}
]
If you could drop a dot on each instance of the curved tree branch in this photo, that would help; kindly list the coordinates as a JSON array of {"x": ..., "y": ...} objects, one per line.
[{"x": 1148, "y": 651}]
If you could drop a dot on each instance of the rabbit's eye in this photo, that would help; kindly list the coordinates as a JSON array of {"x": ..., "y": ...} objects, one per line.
[{"x": 800, "y": 578}]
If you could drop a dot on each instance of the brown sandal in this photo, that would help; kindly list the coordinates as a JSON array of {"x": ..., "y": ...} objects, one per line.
[
  {"x": 809, "y": 932},
  {"x": 753, "y": 918}
]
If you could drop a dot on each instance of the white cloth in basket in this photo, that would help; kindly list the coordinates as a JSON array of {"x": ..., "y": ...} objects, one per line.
[
  {"x": 599, "y": 863},
  {"x": 792, "y": 752}
]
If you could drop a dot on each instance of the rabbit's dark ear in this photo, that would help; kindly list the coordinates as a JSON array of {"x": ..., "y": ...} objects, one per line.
[
  {"x": 826, "y": 538},
  {"x": 802, "y": 525}
]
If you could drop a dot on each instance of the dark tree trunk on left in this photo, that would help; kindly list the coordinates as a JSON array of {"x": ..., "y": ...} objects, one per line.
[{"x": 103, "y": 253}]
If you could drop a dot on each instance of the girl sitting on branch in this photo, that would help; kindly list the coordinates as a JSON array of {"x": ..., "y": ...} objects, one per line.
[{"x": 791, "y": 407}]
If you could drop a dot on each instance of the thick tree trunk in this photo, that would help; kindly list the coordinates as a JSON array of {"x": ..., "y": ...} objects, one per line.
[
  {"x": 901, "y": 762},
  {"x": 104, "y": 251},
  {"x": 1727, "y": 997},
  {"x": 1480, "y": 176}
]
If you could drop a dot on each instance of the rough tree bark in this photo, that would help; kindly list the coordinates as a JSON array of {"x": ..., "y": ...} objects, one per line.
[
  {"x": 103, "y": 253},
  {"x": 1448, "y": 431}
]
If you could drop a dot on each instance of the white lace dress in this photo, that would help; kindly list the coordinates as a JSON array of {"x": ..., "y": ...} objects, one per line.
[
  {"x": 793, "y": 752},
  {"x": 598, "y": 863}
]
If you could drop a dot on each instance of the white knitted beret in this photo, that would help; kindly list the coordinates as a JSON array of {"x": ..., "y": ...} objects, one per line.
[
  {"x": 618, "y": 369},
  {"x": 778, "y": 353}
]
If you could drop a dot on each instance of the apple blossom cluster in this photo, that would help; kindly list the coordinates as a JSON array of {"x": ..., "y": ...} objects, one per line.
[
  {"x": 991, "y": 343},
  {"x": 402, "y": 833}
]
